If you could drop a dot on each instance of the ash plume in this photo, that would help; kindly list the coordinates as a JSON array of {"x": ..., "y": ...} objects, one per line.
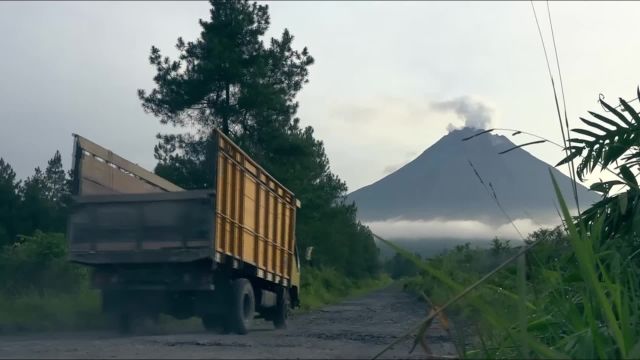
[{"x": 475, "y": 114}]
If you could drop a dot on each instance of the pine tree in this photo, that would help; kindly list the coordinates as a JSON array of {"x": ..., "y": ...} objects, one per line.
[
  {"x": 55, "y": 181},
  {"x": 9, "y": 202},
  {"x": 35, "y": 209},
  {"x": 44, "y": 199},
  {"x": 206, "y": 85},
  {"x": 228, "y": 79},
  {"x": 57, "y": 192}
]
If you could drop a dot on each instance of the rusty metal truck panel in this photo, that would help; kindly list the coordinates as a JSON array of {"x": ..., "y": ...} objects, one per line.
[{"x": 134, "y": 228}]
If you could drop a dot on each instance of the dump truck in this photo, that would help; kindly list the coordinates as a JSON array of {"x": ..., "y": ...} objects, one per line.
[{"x": 226, "y": 254}]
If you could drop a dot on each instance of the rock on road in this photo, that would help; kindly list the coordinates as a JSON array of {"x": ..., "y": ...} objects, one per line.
[{"x": 356, "y": 328}]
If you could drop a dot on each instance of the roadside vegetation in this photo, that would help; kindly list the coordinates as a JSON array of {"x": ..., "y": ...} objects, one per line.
[
  {"x": 573, "y": 291},
  {"x": 40, "y": 290},
  {"x": 327, "y": 286}
]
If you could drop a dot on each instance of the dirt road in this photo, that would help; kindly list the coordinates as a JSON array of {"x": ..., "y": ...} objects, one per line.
[{"x": 357, "y": 328}]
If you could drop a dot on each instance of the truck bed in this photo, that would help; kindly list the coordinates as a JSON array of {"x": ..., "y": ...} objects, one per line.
[
  {"x": 142, "y": 228},
  {"x": 123, "y": 213}
]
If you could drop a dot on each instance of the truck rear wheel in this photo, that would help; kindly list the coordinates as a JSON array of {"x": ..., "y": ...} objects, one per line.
[
  {"x": 242, "y": 306},
  {"x": 281, "y": 311}
]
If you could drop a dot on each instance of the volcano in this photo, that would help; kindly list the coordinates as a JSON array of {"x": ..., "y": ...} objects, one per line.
[{"x": 441, "y": 184}]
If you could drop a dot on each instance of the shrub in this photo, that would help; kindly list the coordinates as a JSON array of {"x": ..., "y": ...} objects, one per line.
[
  {"x": 321, "y": 286},
  {"x": 39, "y": 263},
  {"x": 41, "y": 290}
]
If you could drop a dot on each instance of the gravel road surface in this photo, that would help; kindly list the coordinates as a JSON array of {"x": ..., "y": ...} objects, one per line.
[{"x": 356, "y": 328}]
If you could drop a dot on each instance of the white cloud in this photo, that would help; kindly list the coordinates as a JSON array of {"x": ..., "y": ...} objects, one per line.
[{"x": 459, "y": 229}]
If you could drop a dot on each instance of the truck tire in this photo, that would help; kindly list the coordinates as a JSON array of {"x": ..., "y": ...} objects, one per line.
[
  {"x": 242, "y": 306},
  {"x": 281, "y": 311}
]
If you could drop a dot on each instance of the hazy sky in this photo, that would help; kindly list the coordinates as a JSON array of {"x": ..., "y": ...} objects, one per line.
[{"x": 378, "y": 92}]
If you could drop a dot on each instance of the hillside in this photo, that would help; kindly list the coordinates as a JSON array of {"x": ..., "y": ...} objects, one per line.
[{"x": 440, "y": 184}]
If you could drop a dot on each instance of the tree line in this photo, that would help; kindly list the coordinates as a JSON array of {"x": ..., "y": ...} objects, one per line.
[{"x": 39, "y": 202}]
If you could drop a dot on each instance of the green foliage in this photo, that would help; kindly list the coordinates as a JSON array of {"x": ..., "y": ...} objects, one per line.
[
  {"x": 41, "y": 290},
  {"x": 576, "y": 292},
  {"x": 57, "y": 193},
  {"x": 229, "y": 79},
  {"x": 38, "y": 203},
  {"x": 51, "y": 312},
  {"x": 580, "y": 298},
  {"x": 226, "y": 79},
  {"x": 35, "y": 209},
  {"x": 38, "y": 264},
  {"x": 216, "y": 80},
  {"x": 400, "y": 267},
  {"x": 499, "y": 246},
  {"x": 608, "y": 142},
  {"x": 322, "y": 286},
  {"x": 9, "y": 202},
  {"x": 462, "y": 266}
]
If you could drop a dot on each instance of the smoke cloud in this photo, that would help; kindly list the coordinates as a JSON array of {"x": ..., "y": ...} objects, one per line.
[
  {"x": 475, "y": 114},
  {"x": 458, "y": 229}
]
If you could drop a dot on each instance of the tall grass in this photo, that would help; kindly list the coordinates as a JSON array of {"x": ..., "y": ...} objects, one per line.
[
  {"x": 323, "y": 286},
  {"x": 40, "y": 290},
  {"x": 579, "y": 297},
  {"x": 55, "y": 311}
]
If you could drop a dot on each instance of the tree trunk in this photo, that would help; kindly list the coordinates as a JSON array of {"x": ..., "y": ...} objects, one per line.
[{"x": 225, "y": 117}]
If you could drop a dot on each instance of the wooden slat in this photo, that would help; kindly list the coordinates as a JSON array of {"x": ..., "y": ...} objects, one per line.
[
  {"x": 292, "y": 221},
  {"x": 257, "y": 224},
  {"x": 142, "y": 175},
  {"x": 90, "y": 187},
  {"x": 255, "y": 212},
  {"x": 274, "y": 236},
  {"x": 110, "y": 180},
  {"x": 240, "y": 218},
  {"x": 267, "y": 222},
  {"x": 233, "y": 213},
  {"x": 284, "y": 244},
  {"x": 225, "y": 140},
  {"x": 223, "y": 201},
  {"x": 220, "y": 193}
]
